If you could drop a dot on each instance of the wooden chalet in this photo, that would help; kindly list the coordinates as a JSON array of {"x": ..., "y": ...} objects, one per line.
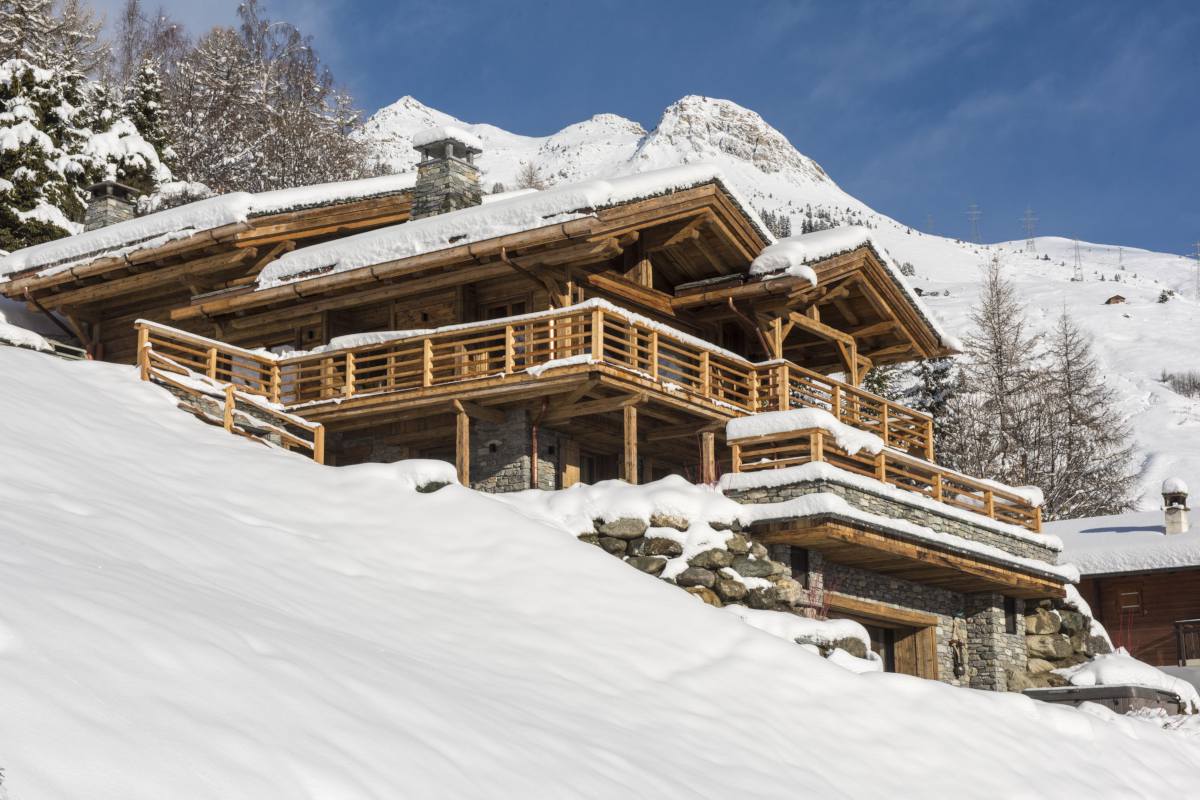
[{"x": 538, "y": 339}]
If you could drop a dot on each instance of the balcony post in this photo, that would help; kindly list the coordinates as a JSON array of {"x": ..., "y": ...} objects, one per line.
[
  {"x": 883, "y": 424},
  {"x": 427, "y": 363},
  {"x": 705, "y": 377},
  {"x": 211, "y": 369},
  {"x": 929, "y": 453},
  {"x": 598, "y": 335},
  {"x": 937, "y": 486},
  {"x": 989, "y": 502},
  {"x": 783, "y": 393},
  {"x": 276, "y": 382},
  {"x": 509, "y": 348},
  {"x": 654, "y": 354},
  {"x": 816, "y": 445},
  {"x": 143, "y": 352},
  {"x": 319, "y": 444},
  {"x": 230, "y": 401},
  {"x": 630, "y": 455},
  {"x": 735, "y": 450},
  {"x": 880, "y": 467},
  {"x": 753, "y": 375},
  {"x": 462, "y": 444},
  {"x": 708, "y": 457},
  {"x": 836, "y": 402},
  {"x": 348, "y": 387}
]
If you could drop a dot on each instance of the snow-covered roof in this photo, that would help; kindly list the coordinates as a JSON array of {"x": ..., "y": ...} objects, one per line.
[
  {"x": 161, "y": 227},
  {"x": 1133, "y": 542},
  {"x": 443, "y": 132},
  {"x": 795, "y": 255},
  {"x": 498, "y": 218}
]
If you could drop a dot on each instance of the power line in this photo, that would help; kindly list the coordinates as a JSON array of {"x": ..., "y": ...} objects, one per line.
[
  {"x": 1078, "y": 276},
  {"x": 1029, "y": 222},
  {"x": 973, "y": 214}
]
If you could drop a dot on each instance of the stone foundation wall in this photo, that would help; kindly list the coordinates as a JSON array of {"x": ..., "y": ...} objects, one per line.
[
  {"x": 500, "y": 459},
  {"x": 1056, "y": 636},
  {"x": 876, "y": 504},
  {"x": 992, "y": 653}
]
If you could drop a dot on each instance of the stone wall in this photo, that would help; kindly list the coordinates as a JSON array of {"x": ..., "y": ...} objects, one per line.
[
  {"x": 500, "y": 459},
  {"x": 888, "y": 507},
  {"x": 992, "y": 653}
]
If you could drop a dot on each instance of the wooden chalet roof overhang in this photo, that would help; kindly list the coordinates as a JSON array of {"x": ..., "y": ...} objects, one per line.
[
  {"x": 856, "y": 316},
  {"x": 635, "y": 252},
  {"x": 150, "y": 281},
  {"x": 854, "y": 543}
]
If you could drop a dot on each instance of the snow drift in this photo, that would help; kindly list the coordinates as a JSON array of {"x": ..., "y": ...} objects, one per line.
[{"x": 187, "y": 614}]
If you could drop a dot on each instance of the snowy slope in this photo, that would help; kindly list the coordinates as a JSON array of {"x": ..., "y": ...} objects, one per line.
[
  {"x": 187, "y": 614},
  {"x": 1135, "y": 341}
]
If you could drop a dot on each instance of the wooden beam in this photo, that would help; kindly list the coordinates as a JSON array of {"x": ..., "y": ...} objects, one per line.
[
  {"x": 708, "y": 457},
  {"x": 462, "y": 444},
  {"x": 629, "y": 454},
  {"x": 492, "y": 415},
  {"x": 561, "y": 413}
]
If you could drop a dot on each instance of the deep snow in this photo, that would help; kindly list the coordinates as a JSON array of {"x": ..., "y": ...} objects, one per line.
[{"x": 185, "y": 613}]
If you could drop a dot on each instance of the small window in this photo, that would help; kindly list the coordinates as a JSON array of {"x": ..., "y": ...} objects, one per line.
[
  {"x": 1129, "y": 601},
  {"x": 1010, "y": 615}
]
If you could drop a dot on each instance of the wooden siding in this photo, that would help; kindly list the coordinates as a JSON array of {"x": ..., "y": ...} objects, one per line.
[{"x": 1139, "y": 610}]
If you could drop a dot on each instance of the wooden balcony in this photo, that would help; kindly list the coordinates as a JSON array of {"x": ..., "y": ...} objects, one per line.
[
  {"x": 775, "y": 451},
  {"x": 522, "y": 354}
]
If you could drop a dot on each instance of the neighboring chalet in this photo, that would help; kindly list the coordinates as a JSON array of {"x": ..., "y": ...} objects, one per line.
[
  {"x": 1141, "y": 576},
  {"x": 635, "y": 327}
]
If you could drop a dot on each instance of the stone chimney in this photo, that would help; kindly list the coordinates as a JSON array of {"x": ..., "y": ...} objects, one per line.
[
  {"x": 1175, "y": 508},
  {"x": 109, "y": 202},
  {"x": 447, "y": 178}
]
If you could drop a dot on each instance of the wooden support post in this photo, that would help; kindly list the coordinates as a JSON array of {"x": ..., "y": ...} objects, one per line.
[
  {"x": 735, "y": 451},
  {"x": 836, "y": 402},
  {"x": 348, "y": 386},
  {"x": 754, "y": 391},
  {"x": 427, "y": 363},
  {"x": 509, "y": 350},
  {"x": 653, "y": 355},
  {"x": 989, "y": 503},
  {"x": 783, "y": 387},
  {"x": 937, "y": 486},
  {"x": 705, "y": 375},
  {"x": 1037, "y": 519},
  {"x": 143, "y": 352},
  {"x": 211, "y": 369},
  {"x": 929, "y": 453},
  {"x": 883, "y": 425},
  {"x": 319, "y": 444},
  {"x": 629, "y": 459},
  {"x": 708, "y": 457},
  {"x": 462, "y": 445},
  {"x": 276, "y": 387},
  {"x": 230, "y": 401},
  {"x": 880, "y": 468},
  {"x": 816, "y": 445},
  {"x": 597, "y": 335},
  {"x": 326, "y": 378}
]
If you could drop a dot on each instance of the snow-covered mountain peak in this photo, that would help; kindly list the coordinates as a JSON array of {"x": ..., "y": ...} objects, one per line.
[{"x": 706, "y": 129}]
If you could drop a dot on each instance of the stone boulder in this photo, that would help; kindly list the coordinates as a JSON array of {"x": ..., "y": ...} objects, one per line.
[
  {"x": 655, "y": 546},
  {"x": 788, "y": 591},
  {"x": 854, "y": 647},
  {"x": 738, "y": 544},
  {"x": 763, "y": 597},
  {"x": 1042, "y": 621},
  {"x": 707, "y": 595},
  {"x": 731, "y": 591},
  {"x": 1037, "y": 665},
  {"x": 696, "y": 576},
  {"x": 712, "y": 559},
  {"x": 753, "y": 568},
  {"x": 615, "y": 546},
  {"x": 669, "y": 521},
  {"x": 1073, "y": 622},
  {"x": 624, "y": 528},
  {"x": 1052, "y": 647},
  {"x": 652, "y": 565}
]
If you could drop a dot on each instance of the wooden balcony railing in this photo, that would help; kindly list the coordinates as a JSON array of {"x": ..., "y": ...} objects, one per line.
[
  {"x": 778, "y": 450},
  {"x": 591, "y": 332}
]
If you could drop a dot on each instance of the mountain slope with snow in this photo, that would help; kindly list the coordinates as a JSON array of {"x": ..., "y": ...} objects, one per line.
[
  {"x": 1135, "y": 341},
  {"x": 187, "y": 614}
]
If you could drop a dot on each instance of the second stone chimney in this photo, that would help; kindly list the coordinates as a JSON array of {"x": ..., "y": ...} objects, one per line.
[
  {"x": 1175, "y": 508},
  {"x": 109, "y": 202},
  {"x": 447, "y": 178}
]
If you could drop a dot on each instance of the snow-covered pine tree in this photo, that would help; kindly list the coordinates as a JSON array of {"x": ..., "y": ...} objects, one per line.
[
  {"x": 26, "y": 30},
  {"x": 993, "y": 424},
  {"x": 143, "y": 107},
  {"x": 1089, "y": 472}
]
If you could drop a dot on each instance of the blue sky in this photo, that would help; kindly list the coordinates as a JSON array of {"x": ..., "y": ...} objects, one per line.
[{"x": 1087, "y": 111}]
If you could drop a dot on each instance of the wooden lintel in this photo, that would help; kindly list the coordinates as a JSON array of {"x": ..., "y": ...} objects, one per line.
[{"x": 560, "y": 413}]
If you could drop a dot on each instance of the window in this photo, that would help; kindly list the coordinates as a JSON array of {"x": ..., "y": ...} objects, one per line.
[
  {"x": 1010, "y": 615},
  {"x": 1128, "y": 602}
]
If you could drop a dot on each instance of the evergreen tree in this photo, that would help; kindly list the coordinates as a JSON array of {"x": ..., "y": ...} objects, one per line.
[
  {"x": 144, "y": 108},
  {"x": 26, "y": 31},
  {"x": 1089, "y": 469}
]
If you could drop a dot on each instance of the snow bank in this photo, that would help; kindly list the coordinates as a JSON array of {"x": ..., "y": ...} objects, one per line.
[
  {"x": 1120, "y": 668},
  {"x": 795, "y": 254},
  {"x": 817, "y": 471},
  {"x": 852, "y": 440},
  {"x": 821, "y": 503},
  {"x": 295, "y": 631},
  {"x": 794, "y": 628},
  {"x": 1132, "y": 542},
  {"x": 22, "y": 337},
  {"x": 500, "y": 217},
  {"x": 161, "y": 227}
]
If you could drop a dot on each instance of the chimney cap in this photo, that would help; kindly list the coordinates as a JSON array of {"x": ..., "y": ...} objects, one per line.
[
  {"x": 431, "y": 141},
  {"x": 112, "y": 189},
  {"x": 1174, "y": 486}
]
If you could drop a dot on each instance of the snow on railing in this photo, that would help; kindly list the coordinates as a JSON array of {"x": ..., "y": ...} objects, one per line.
[{"x": 527, "y": 346}]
